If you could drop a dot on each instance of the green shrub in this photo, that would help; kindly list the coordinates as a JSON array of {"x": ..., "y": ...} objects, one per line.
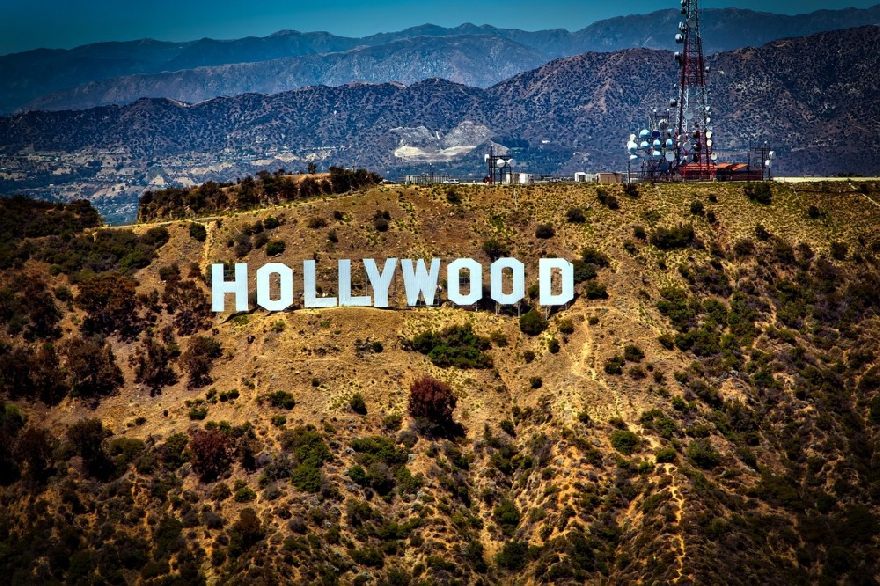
[
  {"x": 197, "y": 232},
  {"x": 665, "y": 455},
  {"x": 624, "y": 441},
  {"x": 507, "y": 516},
  {"x": 275, "y": 247},
  {"x": 607, "y": 200},
  {"x": 452, "y": 196},
  {"x": 455, "y": 346},
  {"x": 357, "y": 404},
  {"x": 495, "y": 249},
  {"x": 758, "y": 192},
  {"x": 697, "y": 208},
  {"x": 198, "y": 412},
  {"x": 309, "y": 452},
  {"x": 614, "y": 365},
  {"x": 553, "y": 345},
  {"x": 680, "y": 236},
  {"x": 595, "y": 291},
  {"x": 532, "y": 323},
  {"x": 282, "y": 400},
  {"x": 566, "y": 327},
  {"x": 245, "y": 533},
  {"x": 814, "y": 213},
  {"x": 513, "y": 556},
  {"x": 368, "y": 556},
  {"x": 576, "y": 216},
  {"x": 839, "y": 250},
  {"x": 703, "y": 454},
  {"x": 633, "y": 353},
  {"x": 875, "y": 409},
  {"x": 544, "y": 231}
]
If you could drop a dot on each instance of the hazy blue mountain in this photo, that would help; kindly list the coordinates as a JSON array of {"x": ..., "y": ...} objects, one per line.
[
  {"x": 570, "y": 113},
  {"x": 471, "y": 60},
  {"x": 86, "y": 76}
]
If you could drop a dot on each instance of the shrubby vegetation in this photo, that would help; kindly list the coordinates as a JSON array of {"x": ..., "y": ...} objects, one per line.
[
  {"x": 267, "y": 188},
  {"x": 455, "y": 346}
]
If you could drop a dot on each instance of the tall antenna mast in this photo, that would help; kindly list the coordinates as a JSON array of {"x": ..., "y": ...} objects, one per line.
[{"x": 693, "y": 134}]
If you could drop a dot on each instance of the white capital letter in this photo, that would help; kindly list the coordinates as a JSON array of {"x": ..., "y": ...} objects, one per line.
[
  {"x": 418, "y": 280},
  {"x": 345, "y": 298},
  {"x": 285, "y": 286},
  {"x": 519, "y": 281},
  {"x": 453, "y": 281},
  {"x": 238, "y": 287},
  {"x": 545, "y": 276},
  {"x": 311, "y": 298},
  {"x": 380, "y": 281}
]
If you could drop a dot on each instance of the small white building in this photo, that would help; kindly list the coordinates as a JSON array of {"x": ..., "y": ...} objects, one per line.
[{"x": 581, "y": 177}]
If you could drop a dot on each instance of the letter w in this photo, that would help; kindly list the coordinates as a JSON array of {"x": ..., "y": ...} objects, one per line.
[{"x": 417, "y": 280}]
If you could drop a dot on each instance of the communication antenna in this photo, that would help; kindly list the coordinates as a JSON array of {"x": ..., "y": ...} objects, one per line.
[
  {"x": 693, "y": 131},
  {"x": 652, "y": 148}
]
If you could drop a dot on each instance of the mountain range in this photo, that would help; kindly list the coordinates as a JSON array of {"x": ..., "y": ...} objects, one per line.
[
  {"x": 815, "y": 98},
  {"x": 122, "y": 72}
]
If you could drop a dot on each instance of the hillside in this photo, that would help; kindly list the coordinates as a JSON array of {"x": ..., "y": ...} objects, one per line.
[
  {"x": 119, "y": 73},
  {"x": 706, "y": 411}
]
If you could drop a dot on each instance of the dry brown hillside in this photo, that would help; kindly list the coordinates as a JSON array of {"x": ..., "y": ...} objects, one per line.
[{"x": 705, "y": 411}]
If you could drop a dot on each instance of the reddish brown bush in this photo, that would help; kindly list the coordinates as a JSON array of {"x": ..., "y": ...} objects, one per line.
[
  {"x": 432, "y": 400},
  {"x": 198, "y": 359},
  {"x": 210, "y": 454},
  {"x": 189, "y": 304},
  {"x": 112, "y": 304},
  {"x": 92, "y": 368},
  {"x": 34, "y": 448}
]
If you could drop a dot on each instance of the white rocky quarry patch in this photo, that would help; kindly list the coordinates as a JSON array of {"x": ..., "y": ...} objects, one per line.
[{"x": 424, "y": 145}]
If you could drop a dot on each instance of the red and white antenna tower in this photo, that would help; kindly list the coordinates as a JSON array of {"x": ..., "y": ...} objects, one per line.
[{"x": 693, "y": 130}]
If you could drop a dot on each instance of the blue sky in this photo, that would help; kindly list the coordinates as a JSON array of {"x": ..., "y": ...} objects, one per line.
[{"x": 28, "y": 24}]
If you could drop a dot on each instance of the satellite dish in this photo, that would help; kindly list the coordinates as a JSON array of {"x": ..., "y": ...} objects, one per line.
[
  {"x": 772, "y": 155},
  {"x": 669, "y": 143},
  {"x": 714, "y": 156},
  {"x": 673, "y": 103},
  {"x": 486, "y": 157},
  {"x": 656, "y": 143},
  {"x": 709, "y": 142},
  {"x": 633, "y": 157},
  {"x": 644, "y": 134},
  {"x": 670, "y": 156},
  {"x": 510, "y": 162},
  {"x": 644, "y": 144},
  {"x": 688, "y": 115},
  {"x": 632, "y": 137},
  {"x": 767, "y": 163},
  {"x": 679, "y": 38},
  {"x": 708, "y": 134},
  {"x": 708, "y": 120}
]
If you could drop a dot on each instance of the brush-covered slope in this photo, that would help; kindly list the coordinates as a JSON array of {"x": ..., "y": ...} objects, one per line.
[{"x": 705, "y": 411}]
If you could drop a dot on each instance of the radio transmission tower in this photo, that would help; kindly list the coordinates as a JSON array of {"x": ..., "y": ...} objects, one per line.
[{"x": 693, "y": 134}]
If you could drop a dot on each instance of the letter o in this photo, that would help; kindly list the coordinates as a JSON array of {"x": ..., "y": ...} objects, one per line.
[
  {"x": 453, "y": 281},
  {"x": 285, "y": 298},
  {"x": 519, "y": 281}
]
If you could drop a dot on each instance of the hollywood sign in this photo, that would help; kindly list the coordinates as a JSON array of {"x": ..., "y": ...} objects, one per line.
[{"x": 420, "y": 281}]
